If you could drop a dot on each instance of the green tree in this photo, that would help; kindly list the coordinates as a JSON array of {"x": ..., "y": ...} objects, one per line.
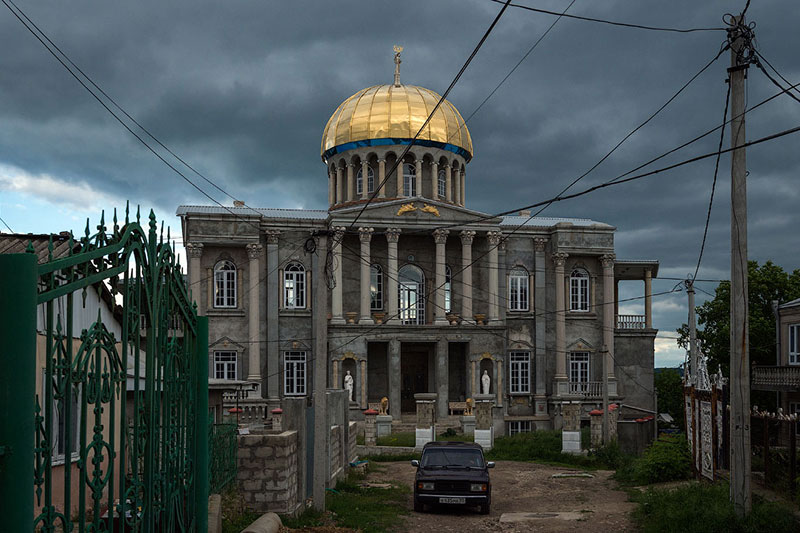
[
  {"x": 669, "y": 385},
  {"x": 765, "y": 283}
]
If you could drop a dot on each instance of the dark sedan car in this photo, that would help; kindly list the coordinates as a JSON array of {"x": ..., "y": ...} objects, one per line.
[{"x": 452, "y": 473}]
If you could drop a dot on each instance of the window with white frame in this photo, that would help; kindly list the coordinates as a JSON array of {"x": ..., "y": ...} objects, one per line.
[
  {"x": 409, "y": 180},
  {"x": 442, "y": 182},
  {"x": 59, "y": 420},
  {"x": 376, "y": 288},
  {"x": 519, "y": 370},
  {"x": 294, "y": 373},
  {"x": 225, "y": 364},
  {"x": 579, "y": 367},
  {"x": 360, "y": 181},
  {"x": 448, "y": 286},
  {"x": 519, "y": 426},
  {"x": 411, "y": 298},
  {"x": 518, "y": 288},
  {"x": 225, "y": 284},
  {"x": 579, "y": 290},
  {"x": 794, "y": 344},
  {"x": 294, "y": 286}
]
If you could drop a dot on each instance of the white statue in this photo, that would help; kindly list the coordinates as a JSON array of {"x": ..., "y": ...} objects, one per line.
[
  {"x": 348, "y": 384},
  {"x": 486, "y": 382}
]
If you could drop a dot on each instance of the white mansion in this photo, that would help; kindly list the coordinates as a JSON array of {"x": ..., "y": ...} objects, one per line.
[{"x": 427, "y": 295}]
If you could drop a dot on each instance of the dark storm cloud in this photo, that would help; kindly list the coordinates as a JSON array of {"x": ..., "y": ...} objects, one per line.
[{"x": 243, "y": 90}]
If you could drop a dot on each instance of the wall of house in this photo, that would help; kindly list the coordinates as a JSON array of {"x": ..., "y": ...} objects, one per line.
[{"x": 634, "y": 354}]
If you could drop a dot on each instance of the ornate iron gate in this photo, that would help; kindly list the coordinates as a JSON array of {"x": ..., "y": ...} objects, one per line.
[{"x": 129, "y": 415}]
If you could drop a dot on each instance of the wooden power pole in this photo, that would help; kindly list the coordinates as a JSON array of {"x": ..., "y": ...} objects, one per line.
[
  {"x": 739, "y": 38},
  {"x": 692, "y": 332}
]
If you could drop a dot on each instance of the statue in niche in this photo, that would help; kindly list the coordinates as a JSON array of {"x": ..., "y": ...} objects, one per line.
[
  {"x": 486, "y": 382},
  {"x": 348, "y": 384}
]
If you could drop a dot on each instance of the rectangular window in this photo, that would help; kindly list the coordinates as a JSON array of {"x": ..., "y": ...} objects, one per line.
[
  {"x": 225, "y": 365},
  {"x": 59, "y": 423},
  {"x": 294, "y": 287},
  {"x": 376, "y": 288},
  {"x": 794, "y": 344},
  {"x": 518, "y": 290},
  {"x": 579, "y": 293},
  {"x": 579, "y": 367},
  {"x": 294, "y": 376},
  {"x": 520, "y": 371},
  {"x": 519, "y": 426}
]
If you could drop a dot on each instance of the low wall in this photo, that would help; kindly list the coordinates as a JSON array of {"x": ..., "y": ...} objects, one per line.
[
  {"x": 634, "y": 436},
  {"x": 267, "y": 476},
  {"x": 362, "y": 450}
]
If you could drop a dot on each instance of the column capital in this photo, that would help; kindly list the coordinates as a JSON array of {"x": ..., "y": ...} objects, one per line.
[
  {"x": 272, "y": 236},
  {"x": 365, "y": 234},
  {"x": 338, "y": 232},
  {"x": 440, "y": 235},
  {"x": 560, "y": 259},
  {"x": 494, "y": 237},
  {"x": 539, "y": 243},
  {"x": 382, "y": 160},
  {"x": 434, "y": 164},
  {"x": 607, "y": 260},
  {"x": 467, "y": 237},
  {"x": 447, "y": 166},
  {"x": 393, "y": 234},
  {"x": 502, "y": 246},
  {"x": 194, "y": 249},
  {"x": 254, "y": 250},
  {"x": 351, "y": 165}
]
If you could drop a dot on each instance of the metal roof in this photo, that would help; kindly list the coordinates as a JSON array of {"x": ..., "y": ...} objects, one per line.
[
  {"x": 793, "y": 303},
  {"x": 547, "y": 222},
  {"x": 268, "y": 212}
]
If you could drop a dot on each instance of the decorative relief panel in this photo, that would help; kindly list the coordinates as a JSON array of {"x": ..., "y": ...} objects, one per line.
[{"x": 706, "y": 440}]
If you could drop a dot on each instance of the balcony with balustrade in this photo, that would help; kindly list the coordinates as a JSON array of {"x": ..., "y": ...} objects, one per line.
[
  {"x": 776, "y": 378},
  {"x": 645, "y": 271},
  {"x": 589, "y": 390}
]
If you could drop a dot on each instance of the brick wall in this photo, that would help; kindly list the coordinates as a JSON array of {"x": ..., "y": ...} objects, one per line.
[{"x": 267, "y": 476}]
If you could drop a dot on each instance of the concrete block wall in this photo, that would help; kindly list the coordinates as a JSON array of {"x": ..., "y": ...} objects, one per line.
[
  {"x": 267, "y": 476},
  {"x": 336, "y": 447}
]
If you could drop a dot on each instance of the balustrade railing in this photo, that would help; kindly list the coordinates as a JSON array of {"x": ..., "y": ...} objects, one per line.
[
  {"x": 586, "y": 388},
  {"x": 630, "y": 321},
  {"x": 776, "y": 377}
]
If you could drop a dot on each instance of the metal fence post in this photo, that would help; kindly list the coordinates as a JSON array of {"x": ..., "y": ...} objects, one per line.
[
  {"x": 17, "y": 388},
  {"x": 201, "y": 426}
]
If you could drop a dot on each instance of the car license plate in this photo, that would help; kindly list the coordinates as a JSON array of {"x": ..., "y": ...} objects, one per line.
[{"x": 453, "y": 500}]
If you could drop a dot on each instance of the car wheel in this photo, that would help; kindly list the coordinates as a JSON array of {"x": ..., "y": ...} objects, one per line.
[
  {"x": 419, "y": 507},
  {"x": 484, "y": 508}
]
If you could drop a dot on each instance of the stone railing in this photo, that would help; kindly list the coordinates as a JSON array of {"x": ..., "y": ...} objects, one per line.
[
  {"x": 586, "y": 388},
  {"x": 253, "y": 410},
  {"x": 630, "y": 321},
  {"x": 776, "y": 378}
]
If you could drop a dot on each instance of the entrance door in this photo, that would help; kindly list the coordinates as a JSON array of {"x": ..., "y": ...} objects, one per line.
[{"x": 414, "y": 370}]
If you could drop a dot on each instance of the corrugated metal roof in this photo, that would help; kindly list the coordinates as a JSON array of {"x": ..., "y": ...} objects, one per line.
[
  {"x": 17, "y": 243},
  {"x": 546, "y": 222},
  {"x": 268, "y": 212}
]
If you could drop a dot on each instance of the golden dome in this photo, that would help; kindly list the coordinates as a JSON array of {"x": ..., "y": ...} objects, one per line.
[{"x": 393, "y": 114}]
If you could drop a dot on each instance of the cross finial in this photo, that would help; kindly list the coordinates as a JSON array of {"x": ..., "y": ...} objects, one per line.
[{"x": 397, "y": 61}]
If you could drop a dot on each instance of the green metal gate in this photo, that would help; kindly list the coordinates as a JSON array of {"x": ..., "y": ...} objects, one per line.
[{"x": 129, "y": 414}]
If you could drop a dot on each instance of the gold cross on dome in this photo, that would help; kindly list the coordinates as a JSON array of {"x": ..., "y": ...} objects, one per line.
[{"x": 397, "y": 61}]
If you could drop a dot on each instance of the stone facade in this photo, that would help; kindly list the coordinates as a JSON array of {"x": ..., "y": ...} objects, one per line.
[{"x": 267, "y": 476}]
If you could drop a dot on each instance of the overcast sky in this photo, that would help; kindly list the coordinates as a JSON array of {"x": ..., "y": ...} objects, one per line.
[{"x": 242, "y": 90}]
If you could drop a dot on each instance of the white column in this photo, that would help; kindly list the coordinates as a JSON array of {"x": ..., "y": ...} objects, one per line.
[
  {"x": 195, "y": 252},
  {"x": 398, "y": 174},
  {"x": 337, "y": 317},
  {"x": 351, "y": 186},
  {"x": 648, "y": 299},
  {"x": 448, "y": 184},
  {"x": 365, "y": 235},
  {"x": 419, "y": 177},
  {"x": 560, "y": 258},
  {"x": 494, "y": 286},
  {"x": 392, "y": 236},
  {"x": 273, "y": 303},
  {"x": 364, "y": 172},
  {"x": 331, "y": 185},
  {"x": 382, "y": 178},
  {"x": 539, "y": 301},
  {"x": 463, "y": 195},
  {"x": 340, "y": 190},
  {"x": 466, "y": 275},
  {"x": 434, "y": 180},
  {"x": 608, "y": 310},
  {"x": 254, "y": 252},
  {"x": 440, "y": 237},
  {"x": 456, "y": 179}
]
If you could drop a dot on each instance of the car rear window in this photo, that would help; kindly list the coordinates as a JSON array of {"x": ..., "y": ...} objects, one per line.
[{"x": 453, "y": 457}]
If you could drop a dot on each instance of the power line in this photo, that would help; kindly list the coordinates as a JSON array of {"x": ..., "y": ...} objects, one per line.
[
  {"x": 614, "y": 23},
  {"x": 775, "y": 82},
  {"x": 6, "y": 225}
]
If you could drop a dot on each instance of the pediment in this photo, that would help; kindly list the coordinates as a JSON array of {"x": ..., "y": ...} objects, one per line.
[
  {"x": 226, "y": 343},
  {"x": 580, "y": 345},
  {"x": 412, "y": 212}
]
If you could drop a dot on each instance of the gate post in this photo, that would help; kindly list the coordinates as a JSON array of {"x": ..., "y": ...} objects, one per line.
[
  {"x": 201, "y": 426},
  {"x": 17, "y": 388}
]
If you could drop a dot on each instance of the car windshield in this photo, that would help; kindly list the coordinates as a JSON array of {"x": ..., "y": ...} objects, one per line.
[{"x": 452, "y": 458}]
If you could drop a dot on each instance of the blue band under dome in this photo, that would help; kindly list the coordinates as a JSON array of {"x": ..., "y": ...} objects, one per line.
[{"x": 366, "y": 143}]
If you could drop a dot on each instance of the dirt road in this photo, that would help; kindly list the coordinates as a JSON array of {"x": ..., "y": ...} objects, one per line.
[{"x": 527, "y": 492}]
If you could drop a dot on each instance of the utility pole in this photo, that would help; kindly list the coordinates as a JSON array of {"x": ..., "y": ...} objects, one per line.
[
  {"x": 606, "y": 439},
  {"x": 739, "y": 37},
  {"x": 320, "y": 327},
  {"x": 692, "y": 331}
]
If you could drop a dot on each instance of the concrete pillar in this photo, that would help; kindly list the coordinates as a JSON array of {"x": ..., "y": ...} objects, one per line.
[
  {"x": 648, "y": 299},
  {"x": 467, "y": 237},
  {"x": 399, "y": 171},
  {"x": 494, "y": 311},
  {"x": 608, "y": 310},
  {"x": 273, "y": 332},
  {"x": 442, "y": 378},
  {"x": 364, "y": 382},
  {"x": 560, "y": 258},
  {"x": 448, "y": 180},
  {"x": 382, "y": 178},
  {"x": 418, "y": 163},
  {"x": 351, "y": 186},
  {"x": 440, "y": 237},
  {"x": 540, "y": 282},
  {"x": 498, "y": 371},
  {"x": 392, "y": 236},
  {"x": 254, "y": 252},
  {"x": 331, "y": 187},
  {"x": 463, "y": 196},
  {"x": 340, "y": 186},
  {"x": 473, "y": 379},
  {"x": 195, "y": 252},
  {"x": 434, "y": 180},
  {"x": 364, "y": 180},
  {"x": 337, "y": 316},
  {"x": 456, "y": 187},
  {"x": 365, "y": 235},
  {"x": 393, "y": 354}
]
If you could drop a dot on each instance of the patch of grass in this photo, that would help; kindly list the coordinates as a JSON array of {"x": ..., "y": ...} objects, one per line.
[
  {"x": 398, "y": 439},
  {"x": 666, "y": 459},
  {"x": 235, "y": 514},
  {"x": 360, "y": 439},
  {"x": 541, "y": 447},
  {"x": 308, "y": 518},
  {"x": 705, "y": 508}
]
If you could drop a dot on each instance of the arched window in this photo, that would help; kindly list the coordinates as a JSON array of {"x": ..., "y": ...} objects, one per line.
[
  {"x": 518, "y": 288},
  {"x": 448, "y": 285},
  {"x": 579, "y": 290},
  {"x": 360, "y": 181},
  {"x": 409, "y": 180},
  {"x": 411, "y": 297},
  {"x": 225, "y": 284},
  {"x": 376, "y": 288},
  {"x": 442, "y": 184},
  {"x": 294, "y": 286}
]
